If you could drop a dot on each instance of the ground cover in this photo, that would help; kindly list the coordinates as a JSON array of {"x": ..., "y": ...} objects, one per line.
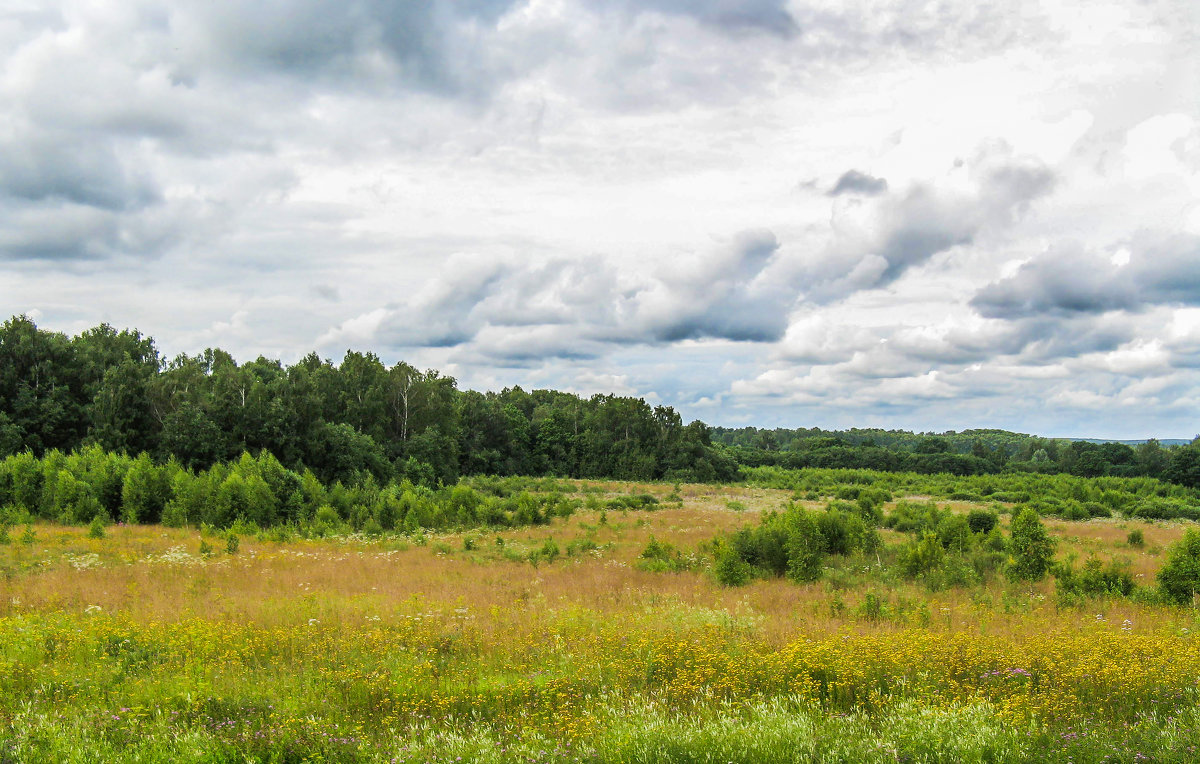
[{"x": 560, "y": 642}]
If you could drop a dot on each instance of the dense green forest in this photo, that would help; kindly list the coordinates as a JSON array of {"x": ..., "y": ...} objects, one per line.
[{"x": 112, "y": 389}]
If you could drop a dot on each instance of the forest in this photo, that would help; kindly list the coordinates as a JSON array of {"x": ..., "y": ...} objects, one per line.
[{"x": 112, "y": 389}]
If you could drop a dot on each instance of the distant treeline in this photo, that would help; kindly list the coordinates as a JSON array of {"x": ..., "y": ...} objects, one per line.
[
  {"x": 971, "y": 452},
  {"x": 112, "y": 389}
]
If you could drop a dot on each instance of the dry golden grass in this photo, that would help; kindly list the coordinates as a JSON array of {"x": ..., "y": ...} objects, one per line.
[{"x": 279, "y": 584}]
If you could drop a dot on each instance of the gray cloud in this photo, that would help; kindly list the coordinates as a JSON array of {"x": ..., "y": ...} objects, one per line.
[
  {"x": 877, "y": 240},
  {"x": 57, "y": 170},
  {"x": 421, "y": 46},
  {"x": 722, "y": 295},
  {"x": 1072, "y": 281},
  {"x": 575, "y": 309},
  {"x": 733, "y": 15},
  {"x": 855, "y": 182}
]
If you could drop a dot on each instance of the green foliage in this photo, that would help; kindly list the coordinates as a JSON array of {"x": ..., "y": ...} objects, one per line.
[
  {"x": 633, "y": 501},
  {"x": 981, "y": 520},
  {"x": 923, "y": 555},
  {"x": 1095, "y": 579},
  {"x": 796, "y": 542},
  {"x": 1136, "y": 538},
  {"x": 729, "y": 568},
  {"x": 326, "y": 521},
  {"x": 110, "y": 389},
  {"x": 548, "y": 552},
  {"x": 954, "y": 532},
  {"x": 805, "y": 547},
  {"x": 1179, "y": 577},
  {"x": 1032, "y": 547},
  {"x": 662, "y": 557},
  {"x": 873, "y": 607},
  {"x": 96, "y": 528},
  {"x": 145, "y": 491}
]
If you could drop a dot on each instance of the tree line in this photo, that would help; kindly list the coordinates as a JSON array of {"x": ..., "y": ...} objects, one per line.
[
  {"x": 114, "y": 390},
  {"x": 972, "y": 452}
]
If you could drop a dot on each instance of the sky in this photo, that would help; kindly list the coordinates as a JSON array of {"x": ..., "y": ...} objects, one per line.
[{"x": 834, "y": 213}]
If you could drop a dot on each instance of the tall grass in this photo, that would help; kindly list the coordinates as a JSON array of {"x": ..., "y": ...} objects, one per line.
[{"x": 137, "y": 647}]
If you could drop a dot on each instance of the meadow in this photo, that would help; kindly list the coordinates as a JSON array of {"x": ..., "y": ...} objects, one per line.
[{"x": 574, "y": 641}]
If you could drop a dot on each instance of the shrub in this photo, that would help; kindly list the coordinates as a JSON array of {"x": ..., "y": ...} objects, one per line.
[
  {"x": 661, "y": 557},
  {"x": 633, "y": 501},
  {"x": 954, "y": 532},
  {"x": 96, "y": 528},
  {"x": 872, "y": 608},
  {"x": 1136, "y": 538},
  {"x": 922, "y": 556},
  {"x": 575, "y": 547},
  {"x": 805, "y": 548},
  {"x": 1095, "y": 579},
  {"x": 1179, "y": 577},
  {"x": 1032, "y": 547},
  {"x": 763, "y": 547},
  {"x": 549, "y": 551},
  {"x": 729, "y": 568},
  {"x": 372, "y": 527},
  {"x": 981, "y": 520}
]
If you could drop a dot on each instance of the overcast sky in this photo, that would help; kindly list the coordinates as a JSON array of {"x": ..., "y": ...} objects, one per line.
[{"x": 918, "y": 215}]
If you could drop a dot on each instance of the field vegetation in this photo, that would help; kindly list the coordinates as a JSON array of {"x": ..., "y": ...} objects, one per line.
[{"x": 810, "y": 616}]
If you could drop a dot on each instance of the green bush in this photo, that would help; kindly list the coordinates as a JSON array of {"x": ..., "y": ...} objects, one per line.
[
  {"x": 729, "y": 568},
  {"x": 1095, "y": 579},
  {"x": 805, "y": 548},
  {"x": 981, "y": 520},
  {"x": 1032, "y": 547},
  {"x": 661, "y": 557},
  {"x": 873, "y": 607},
  {"x": 922, "y": 556},
  {"x": 549, "y": 551},
  {"x": 1179, "y": 577}
]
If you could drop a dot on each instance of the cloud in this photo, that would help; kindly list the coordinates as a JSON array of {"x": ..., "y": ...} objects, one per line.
[
  {"x": 37, "y": 169},
  {"x": 1071, "y": 280},
  {"x": 877, "y": 240},
  {"x": 855, "y": 182},
  {"x": 573, "y": 309},
  {"x": 417, "y": 46},
  {"x": 733, "y": 15}
]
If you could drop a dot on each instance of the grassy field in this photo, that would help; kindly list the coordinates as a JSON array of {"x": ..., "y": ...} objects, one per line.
[{"x": 555, "y": 643}]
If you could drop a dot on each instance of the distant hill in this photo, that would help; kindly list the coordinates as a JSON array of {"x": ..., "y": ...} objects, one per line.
[{"x": 1165, "y": 442}]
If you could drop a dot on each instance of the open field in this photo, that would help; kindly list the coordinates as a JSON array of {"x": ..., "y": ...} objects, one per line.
[{"x": 136, "y": 646}]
